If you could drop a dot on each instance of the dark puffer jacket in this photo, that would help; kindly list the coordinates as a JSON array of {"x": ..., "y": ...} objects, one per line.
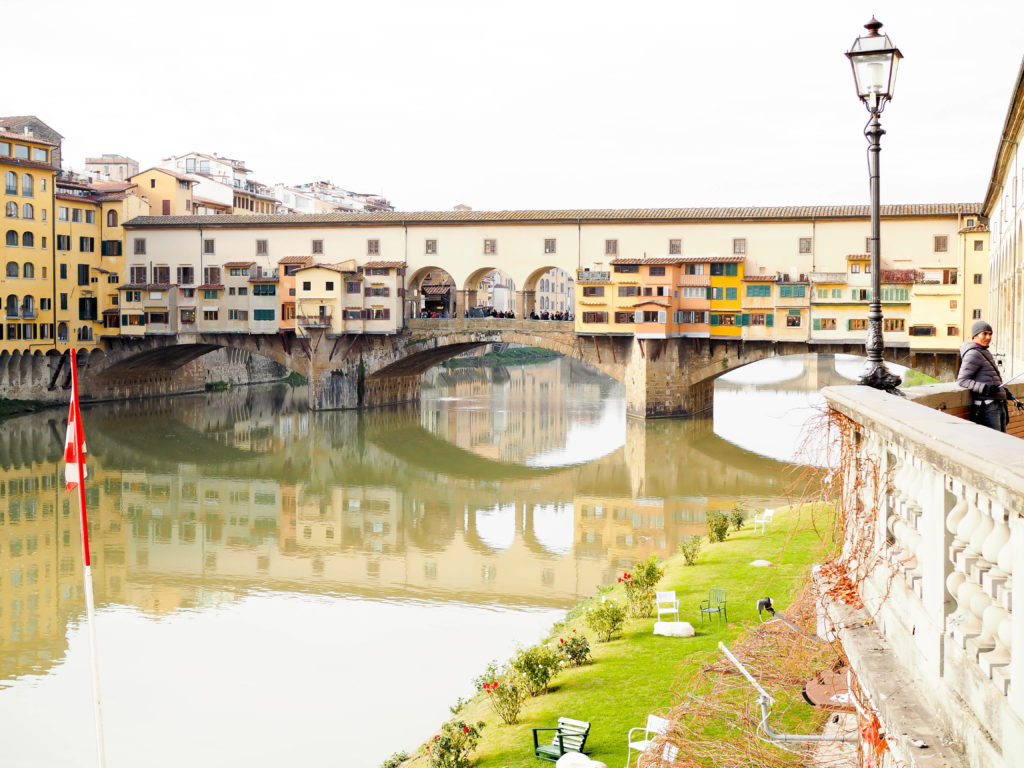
[{"x": 978, "y": 372}]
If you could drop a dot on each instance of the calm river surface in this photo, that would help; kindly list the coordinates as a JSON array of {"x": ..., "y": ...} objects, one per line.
[{"x": 280, "y": 587}]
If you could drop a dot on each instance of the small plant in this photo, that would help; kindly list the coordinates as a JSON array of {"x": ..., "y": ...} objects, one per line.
[
  {"x": 506, "y": 694},
  {"x": 606, "y": 619},
  {"x": 451, "y": 747},
  {"x": 689, "y": 548},
  {"x": 718, "y": 526},
  {"x": 395, "y": 760},
  {"x": 574, "y": 649},
  {"x": 640, "y": 586},
  {"x": 537, "y": 664},
  {"x": 458, "y": 706},
  {"x": 737, "y": 516}
]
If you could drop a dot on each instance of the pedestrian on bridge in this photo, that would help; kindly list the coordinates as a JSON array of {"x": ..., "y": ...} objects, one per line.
[{"x": 979, "y": 374}]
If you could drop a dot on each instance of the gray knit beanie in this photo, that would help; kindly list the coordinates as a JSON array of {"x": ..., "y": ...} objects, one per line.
[{"x": 980, "y": 326}]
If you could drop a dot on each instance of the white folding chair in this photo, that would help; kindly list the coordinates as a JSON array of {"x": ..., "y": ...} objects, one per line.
[
  {"x": 667, "y": 603},
  {"x": 764, "y": 520},
  {"x": 656, "y": 726}
]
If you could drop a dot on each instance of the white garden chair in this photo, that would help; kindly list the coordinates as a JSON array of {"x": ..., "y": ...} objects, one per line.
[
  {"x": 764, "y": 520},
  {"x": 656, "y": 726},
  {"x": 666, "y": 759},
  {"x": 667, "y": 603}
]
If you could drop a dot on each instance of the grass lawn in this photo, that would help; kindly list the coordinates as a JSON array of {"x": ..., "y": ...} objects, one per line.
[{"x": 634, "y": 674}]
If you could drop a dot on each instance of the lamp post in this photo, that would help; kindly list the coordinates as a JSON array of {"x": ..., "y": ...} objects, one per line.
[{"x": 874, "y": 61}]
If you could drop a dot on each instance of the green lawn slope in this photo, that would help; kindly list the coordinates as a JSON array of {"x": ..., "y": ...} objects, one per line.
[{"x": 634, "y": 674}]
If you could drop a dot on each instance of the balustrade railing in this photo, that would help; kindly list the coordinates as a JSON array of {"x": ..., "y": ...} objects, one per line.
[{"x": 944, "y": 508}]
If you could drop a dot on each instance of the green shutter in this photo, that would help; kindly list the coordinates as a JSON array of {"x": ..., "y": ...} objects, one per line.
[
  {"x": 817, "y": 324},
  {"x": 745, "y": 319},
  {"x": 730, "y": 294},
  {"x": 714, "y": 319},
  {"x": 769, "y": 319},
  {"x": 730, "y": 270},
  {"x": 708, "y": 289},
  {"x": 794, "y": 311}
]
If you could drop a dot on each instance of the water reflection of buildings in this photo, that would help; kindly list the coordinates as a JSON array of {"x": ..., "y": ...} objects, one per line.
[
  {"x": 221, "y": 494},
  {"x": 522, "y": 411}
]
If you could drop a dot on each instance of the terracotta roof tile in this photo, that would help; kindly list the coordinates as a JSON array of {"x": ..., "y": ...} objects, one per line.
[
  {"x": 295, "y": 260},
  {"x": 25, "y": 137},
  {"x": 759, "y": 278},
  {"x": 858, "y": 256},
  {"x": 239, "y": 263},
  {"x": 384, "y": 264},
  {"x": 175, "y": 174},
  {"x": 572, "y": 215}
]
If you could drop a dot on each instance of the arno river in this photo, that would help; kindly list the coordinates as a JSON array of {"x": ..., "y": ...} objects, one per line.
[{"x": 280, "y": 587}]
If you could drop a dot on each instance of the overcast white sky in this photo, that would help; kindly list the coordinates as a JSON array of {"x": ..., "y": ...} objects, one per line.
[{"x": 530, "y": 104}]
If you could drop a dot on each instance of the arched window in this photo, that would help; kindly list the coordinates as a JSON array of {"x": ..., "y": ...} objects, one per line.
[
  {"x": 85, "y": 333},
  {"x": 12, "y": 238},
  {"x": 28, "y": 240},
  {"x": 11, "y": 183},
  {"x": 26, "y": 185},
  {"x": 28, "y": 307},
  {"x": 27, "y": 211},
  {"x": 111, "y": 218},
  {"x": 11, "y": 210},
  {"x": 28, "y": 270},
  {"x": 62, "y": 332},
  {"x": 12, "y": 306},
  {"x": 12, "y": 269}
]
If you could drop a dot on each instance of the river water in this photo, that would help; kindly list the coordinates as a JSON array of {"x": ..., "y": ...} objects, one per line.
[{"x": 275, "y": 586}]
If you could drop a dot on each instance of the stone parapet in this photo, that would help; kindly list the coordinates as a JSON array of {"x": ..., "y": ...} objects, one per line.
[{"x": 933, "y": 537}]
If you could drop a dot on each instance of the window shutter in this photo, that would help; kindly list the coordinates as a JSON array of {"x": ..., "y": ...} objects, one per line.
[
  {"x": 816, "y": 324},
  {"x": 385, "y": 291},
  {"x": 366, "y": 291},
  {"x": 769, "y": 319},
  {"x": 638, "y": 316},
  {"x": 662, "y": 316},
  {"x": 745, "y": 318},
  {"x": 387, "y": 314},
  {"x": 714, "y": 319}
]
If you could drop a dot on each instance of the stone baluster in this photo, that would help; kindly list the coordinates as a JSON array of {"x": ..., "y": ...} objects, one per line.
[
  {"x": 958, "y": 550},
  {"x": 991, "y": 549}
]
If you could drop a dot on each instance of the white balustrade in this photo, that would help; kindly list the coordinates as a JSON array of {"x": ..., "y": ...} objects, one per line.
[{"x": 952, "y": 514}]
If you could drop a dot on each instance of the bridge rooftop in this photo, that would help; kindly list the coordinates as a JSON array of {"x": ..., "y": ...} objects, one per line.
[{"x": 590, "y": 214}]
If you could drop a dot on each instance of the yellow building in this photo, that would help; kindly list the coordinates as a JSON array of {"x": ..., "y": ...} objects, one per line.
[
  {"x": 168, "y": 192},
  {"x": 28, "y": 170},
  {"x": 726, "y": 278}
]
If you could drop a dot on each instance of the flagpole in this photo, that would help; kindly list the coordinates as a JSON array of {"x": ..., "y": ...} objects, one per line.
[{"x": 90, "y": 608}]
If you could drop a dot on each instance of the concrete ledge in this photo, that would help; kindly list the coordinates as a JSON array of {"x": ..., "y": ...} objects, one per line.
[{"x": 903, "y": 705}]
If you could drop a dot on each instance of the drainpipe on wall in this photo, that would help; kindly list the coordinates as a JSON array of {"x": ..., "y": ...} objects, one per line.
[{"x": 53, "y": 260}]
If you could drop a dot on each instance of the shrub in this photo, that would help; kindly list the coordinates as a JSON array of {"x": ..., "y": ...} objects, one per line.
[
  {"x": 606, "y": 619},
  {"x": 451, "y": 747},
  {"x": 574, "y": 649},
  {"x": 718, "y": 526},
  {"x": 640, "y": 586},
  {"x": 689, "y": 548},
  {"x": 537, "y": 664},
  {"x": 737, "y": 516},
  {"x": 395, "y": 760},
  {"x": 506, "y": 694}
]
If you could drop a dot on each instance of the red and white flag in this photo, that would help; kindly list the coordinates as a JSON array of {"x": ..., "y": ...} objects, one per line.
[{"x": 74, "y": 446}]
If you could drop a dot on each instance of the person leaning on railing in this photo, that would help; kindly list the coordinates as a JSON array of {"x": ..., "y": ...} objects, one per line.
[{"x": 979, "y": 374}]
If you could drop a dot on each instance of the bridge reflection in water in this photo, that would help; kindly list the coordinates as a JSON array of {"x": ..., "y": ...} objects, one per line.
[{"x": 508, "y": 492}]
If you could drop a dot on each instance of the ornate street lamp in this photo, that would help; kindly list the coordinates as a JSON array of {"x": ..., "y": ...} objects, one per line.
[{"x": 874, "y": 61}]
